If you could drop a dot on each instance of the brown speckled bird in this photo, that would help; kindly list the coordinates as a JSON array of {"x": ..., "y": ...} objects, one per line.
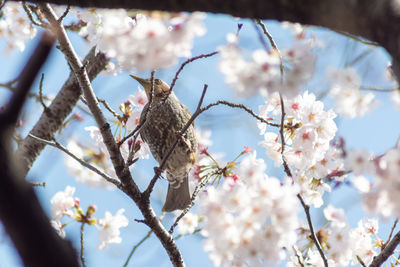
[{"x": 160, "y": 131}]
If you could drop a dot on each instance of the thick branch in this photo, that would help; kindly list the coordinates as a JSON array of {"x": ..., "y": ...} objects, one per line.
[
  {"x": 386, "y": 252},
  {"x": 52, "y": 119},
  {"x": 339, "y": 14}
]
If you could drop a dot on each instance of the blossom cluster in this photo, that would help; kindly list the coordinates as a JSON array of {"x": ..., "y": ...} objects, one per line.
[
  {"x": 308, "y": 132},
  {"x": 345, "y": 89},
  {"x": 15, "y": 27},
  {"x": 63, "y": 204},
  {"x": 243, "y": 217},
  {"x": 143, "y": 42},
  {"x": 343, "y": 245},
  {"x": 262, "y": 71},
  {"x": 381, "y": 196}
]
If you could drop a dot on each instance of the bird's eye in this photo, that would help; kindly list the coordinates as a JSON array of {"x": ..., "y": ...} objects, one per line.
[{"x": 157, "y": 81}]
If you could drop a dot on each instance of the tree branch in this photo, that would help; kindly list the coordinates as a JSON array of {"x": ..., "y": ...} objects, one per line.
[
  {"x": 129, "y": 186},
  {"x": 184, "y": 64},
  {"x": 386, "y": 252},
  {"x": 81, "y": 161},
  {"x": 51, "y": 122}
]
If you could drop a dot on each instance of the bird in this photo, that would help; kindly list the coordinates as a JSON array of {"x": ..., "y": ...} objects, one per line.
[{"x": 163, "y": 121}]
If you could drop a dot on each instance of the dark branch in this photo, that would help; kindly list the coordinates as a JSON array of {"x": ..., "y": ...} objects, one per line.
[
  {"x": 22, "y": 216},
  {"x": 386, "y": 252},
  {"x": 10, "y": 115},
  {"x": 187, "y": 62}
]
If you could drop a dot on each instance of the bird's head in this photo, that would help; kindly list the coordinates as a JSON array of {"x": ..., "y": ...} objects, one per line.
[{"x": 160, "y": 87}]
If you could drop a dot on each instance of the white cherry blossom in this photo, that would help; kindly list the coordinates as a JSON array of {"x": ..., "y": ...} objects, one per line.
[{"x": 109, "y": 228}]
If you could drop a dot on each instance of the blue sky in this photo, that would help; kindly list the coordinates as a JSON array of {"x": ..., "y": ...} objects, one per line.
[{"x": 231, "y": 130}]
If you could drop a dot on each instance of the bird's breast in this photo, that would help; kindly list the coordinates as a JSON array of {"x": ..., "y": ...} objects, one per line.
[{"x": 163, "y": 123}]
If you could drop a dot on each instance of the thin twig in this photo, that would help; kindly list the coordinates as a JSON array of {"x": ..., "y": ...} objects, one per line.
[
  {"x": 281, "y": 133},
  {"x": 28, "y": 12},
  {"x": 370, "y": 88},
  {"x": 360, "y": 261},
  {"x": 147, "y": 236},
  {"x": 82, "y": 246},
  {"x": 149, "y": 189},
  {"x": 273, "y": 44},
  {"x": 62, "y": 17},
  {"x": 360, "y": 56},
  {"x": 9, "y": 85},
  {"x": 107, "y": 106},
  {"x": 3, "y": 3},
  {"x": 42, "y": 184},
  {"x": 82, "y": 162},
  {"x": 391, "y": 233},
  {"x": 41, "y": 93},
  {"x": 240, "y": 106},
  {"x": 184, "y": 64},
  {"x": 136, "y": 130},
  {"x": 194, "y": 232},
  {"x": 313, "y": 235},
  {"x": 298, "y": 256},
  {"x": 356, "y": 38}
]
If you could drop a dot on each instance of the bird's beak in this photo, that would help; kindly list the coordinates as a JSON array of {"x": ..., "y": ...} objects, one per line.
[{"x": 140, "y": 80}]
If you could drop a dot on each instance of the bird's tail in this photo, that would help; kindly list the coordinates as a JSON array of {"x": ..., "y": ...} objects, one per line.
[{"x": 178, "y": 198}]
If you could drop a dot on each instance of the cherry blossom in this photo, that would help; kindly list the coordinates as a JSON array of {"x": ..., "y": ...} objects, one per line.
[
  {"x": 359, "y": 162},
  {"x": 109, "y": 231},
  {"x": 59, "y": 227},
  {"x": 15, "y": 27},
  {"x": 383, "y": 197},
  {"x": 242, "y": 217},
  {"x": 296, "y": 28},
  {"x": 335, "y": 216},
  {"x": 307, "y": 144},
  {"x": 262, "y": 71},
  {"x": 345, "y": 89},
  {"x": 153, "y": 42},
  {"x": 346, "y": 244},
  {"x": 188, "y": 224},
  {"x": 139, "y": 99},
  {"x": 61, "y": 203},
  {"x": 84, "y": 175}
]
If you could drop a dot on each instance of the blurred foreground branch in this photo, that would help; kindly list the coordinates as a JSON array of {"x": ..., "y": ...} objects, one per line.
[{"x": 22, "y": 216}]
